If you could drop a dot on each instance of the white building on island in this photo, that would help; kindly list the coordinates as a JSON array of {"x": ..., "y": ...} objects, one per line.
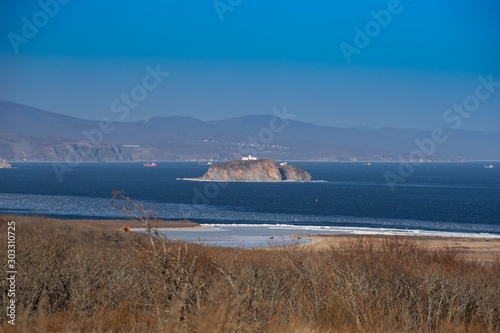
[{"x": 249, "y": 158}]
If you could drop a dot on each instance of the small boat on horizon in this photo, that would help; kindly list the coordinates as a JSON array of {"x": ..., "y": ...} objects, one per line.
[
  {"x": 205, "y": 163},
  {"x": 489, "y": 166},
  {"x": 150, "y": 164}
]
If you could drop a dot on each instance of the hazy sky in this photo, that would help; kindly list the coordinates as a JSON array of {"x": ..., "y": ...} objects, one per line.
[{"x": 411, "y": 62}]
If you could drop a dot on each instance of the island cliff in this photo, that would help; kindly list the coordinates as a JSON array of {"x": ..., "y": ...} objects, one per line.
[{"x": 264, "y": 170}]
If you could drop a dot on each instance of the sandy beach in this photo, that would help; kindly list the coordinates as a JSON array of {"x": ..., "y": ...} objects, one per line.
[
  {"x": 116, "y": 223},
  {"x": 183, "y": 227},
  {"x": 469, "y": 248},
  {"x": 138, "y": 226}
]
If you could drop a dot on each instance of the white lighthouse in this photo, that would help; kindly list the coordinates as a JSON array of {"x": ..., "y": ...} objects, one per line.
[{"x": 249, "y": 158}]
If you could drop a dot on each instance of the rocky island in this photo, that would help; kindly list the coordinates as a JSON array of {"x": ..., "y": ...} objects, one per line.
[{"x": 265, "y": 170}]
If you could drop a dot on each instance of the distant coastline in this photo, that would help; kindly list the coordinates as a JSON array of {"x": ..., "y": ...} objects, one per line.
[
  {"x": 289, "y": 160},
  {"x": 28, "y": 134}
]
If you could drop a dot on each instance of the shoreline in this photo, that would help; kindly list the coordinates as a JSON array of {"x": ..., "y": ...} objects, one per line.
[
  {"x": 246, "y": 181},
  {"x": 222, "y": 161},
  {"x": 469, "y": 248},
  {"x": 484, "y": 249},
  {"x": 112, "y": 223},
  {"x": 134, "y": 225},
  {"x": 200, "y": 227}
]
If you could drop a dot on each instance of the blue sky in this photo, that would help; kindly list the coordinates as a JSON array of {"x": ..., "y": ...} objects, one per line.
[{"x": 262, "y": 55}]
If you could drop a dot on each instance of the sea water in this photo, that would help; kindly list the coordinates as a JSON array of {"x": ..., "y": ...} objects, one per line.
[{"x": 437, "y": 199}]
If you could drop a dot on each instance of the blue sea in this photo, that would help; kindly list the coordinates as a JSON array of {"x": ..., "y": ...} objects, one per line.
[{"x": 451, "y": 199}]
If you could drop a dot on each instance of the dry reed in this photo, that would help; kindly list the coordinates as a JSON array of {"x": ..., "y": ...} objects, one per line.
[{"x": 75, "y": 278}]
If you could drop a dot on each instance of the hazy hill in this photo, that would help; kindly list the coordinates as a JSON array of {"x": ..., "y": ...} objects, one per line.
[{"x": 31, "y": 134}]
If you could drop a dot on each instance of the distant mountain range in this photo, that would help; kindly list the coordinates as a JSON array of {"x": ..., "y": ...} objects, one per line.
[{"x": 31, "y": 134}]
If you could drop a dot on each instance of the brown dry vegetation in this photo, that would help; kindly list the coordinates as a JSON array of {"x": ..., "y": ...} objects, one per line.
[{"x": 77, "y": 278}]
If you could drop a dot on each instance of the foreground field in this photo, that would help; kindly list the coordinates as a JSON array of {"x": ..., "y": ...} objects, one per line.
[{"x": 74, "y": 277}]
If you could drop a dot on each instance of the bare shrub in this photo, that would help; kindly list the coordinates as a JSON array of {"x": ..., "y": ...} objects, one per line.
[{"x": 81, "y": 279}]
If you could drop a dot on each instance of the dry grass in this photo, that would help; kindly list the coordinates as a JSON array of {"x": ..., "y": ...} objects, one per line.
[{"x": 75, "y": 278}]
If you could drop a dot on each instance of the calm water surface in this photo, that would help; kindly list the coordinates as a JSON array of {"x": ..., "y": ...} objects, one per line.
[{"x": 351, "y": 197}]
